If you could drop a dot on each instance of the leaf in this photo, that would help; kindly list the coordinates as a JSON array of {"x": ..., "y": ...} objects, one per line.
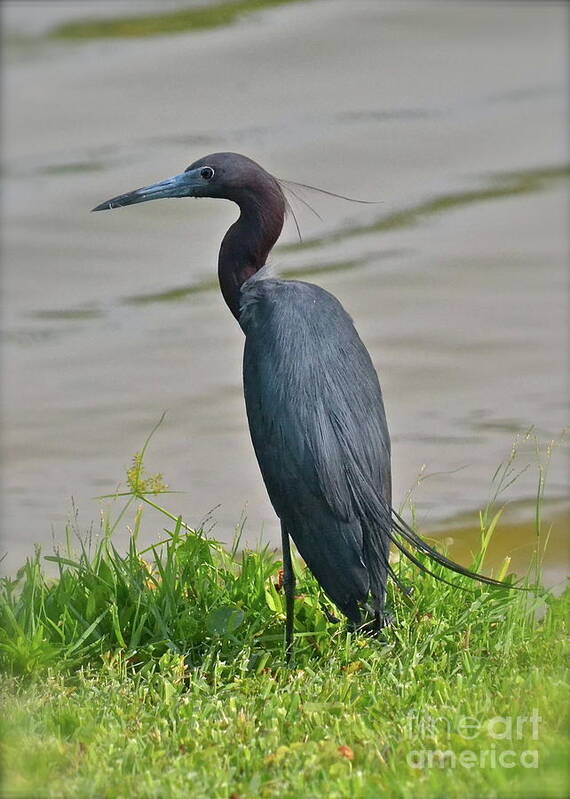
[
  {"x": 224, "y": 620},
  {"x": 272, "y": 599},
  {"x": 86, "y": 634}
]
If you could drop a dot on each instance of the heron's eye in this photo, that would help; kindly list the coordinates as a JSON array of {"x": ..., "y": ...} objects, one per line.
[{"x": 207, "y": 173}]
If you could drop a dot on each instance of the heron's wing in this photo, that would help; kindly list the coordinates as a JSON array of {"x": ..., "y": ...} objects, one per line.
[{"x": 317, "y": 423}]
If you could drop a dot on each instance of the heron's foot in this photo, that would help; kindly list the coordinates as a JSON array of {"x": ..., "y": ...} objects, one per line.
[
  {"x": 381, "y": 620},
  {"x": 289, "y": 655},
  {"x": 330, "y": 616}
]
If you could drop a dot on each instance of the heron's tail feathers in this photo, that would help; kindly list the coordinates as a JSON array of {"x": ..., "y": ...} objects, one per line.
[
  {"x": 400, "y": 530},
  {"x": 380, "y": 565},
  {"x": 382, "y": 520}
]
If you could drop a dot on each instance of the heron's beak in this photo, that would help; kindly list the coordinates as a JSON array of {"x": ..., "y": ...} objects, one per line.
[{"x": 184, "y": 185}]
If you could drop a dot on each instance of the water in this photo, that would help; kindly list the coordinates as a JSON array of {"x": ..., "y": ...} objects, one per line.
[{"x": 453, "y": 115}]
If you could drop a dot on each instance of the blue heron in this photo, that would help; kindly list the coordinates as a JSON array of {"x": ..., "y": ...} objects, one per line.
[{"x": 313, "y": 401}]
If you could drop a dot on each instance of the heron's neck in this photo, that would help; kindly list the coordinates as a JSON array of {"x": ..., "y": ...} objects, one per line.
[{"x": 248, "y": 242}]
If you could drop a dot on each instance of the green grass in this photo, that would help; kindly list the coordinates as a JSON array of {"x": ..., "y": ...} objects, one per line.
[
  {"x": 210, "y": 15},
  {"x": 160, "y": 673}
]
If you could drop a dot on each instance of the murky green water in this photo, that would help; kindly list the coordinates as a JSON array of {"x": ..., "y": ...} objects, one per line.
[{"x": 452, "y": 115}]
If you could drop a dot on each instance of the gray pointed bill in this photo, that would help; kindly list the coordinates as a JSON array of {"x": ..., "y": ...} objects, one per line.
[{"x": 183, "y": 185}]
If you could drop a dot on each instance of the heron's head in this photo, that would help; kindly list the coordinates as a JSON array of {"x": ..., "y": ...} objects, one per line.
[{"x": 229, "y": 176}]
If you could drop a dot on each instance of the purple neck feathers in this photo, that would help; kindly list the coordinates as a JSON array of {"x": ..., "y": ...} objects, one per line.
[{"x": 249, "y": 240}]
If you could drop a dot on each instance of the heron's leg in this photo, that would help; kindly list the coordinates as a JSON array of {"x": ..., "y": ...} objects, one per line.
[
  {"x": 381, "y": 617},
  {"x": 289, "y": 586}
]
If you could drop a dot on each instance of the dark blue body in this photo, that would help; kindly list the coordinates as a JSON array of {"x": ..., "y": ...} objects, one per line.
[{"x": 319, "y": 430}]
